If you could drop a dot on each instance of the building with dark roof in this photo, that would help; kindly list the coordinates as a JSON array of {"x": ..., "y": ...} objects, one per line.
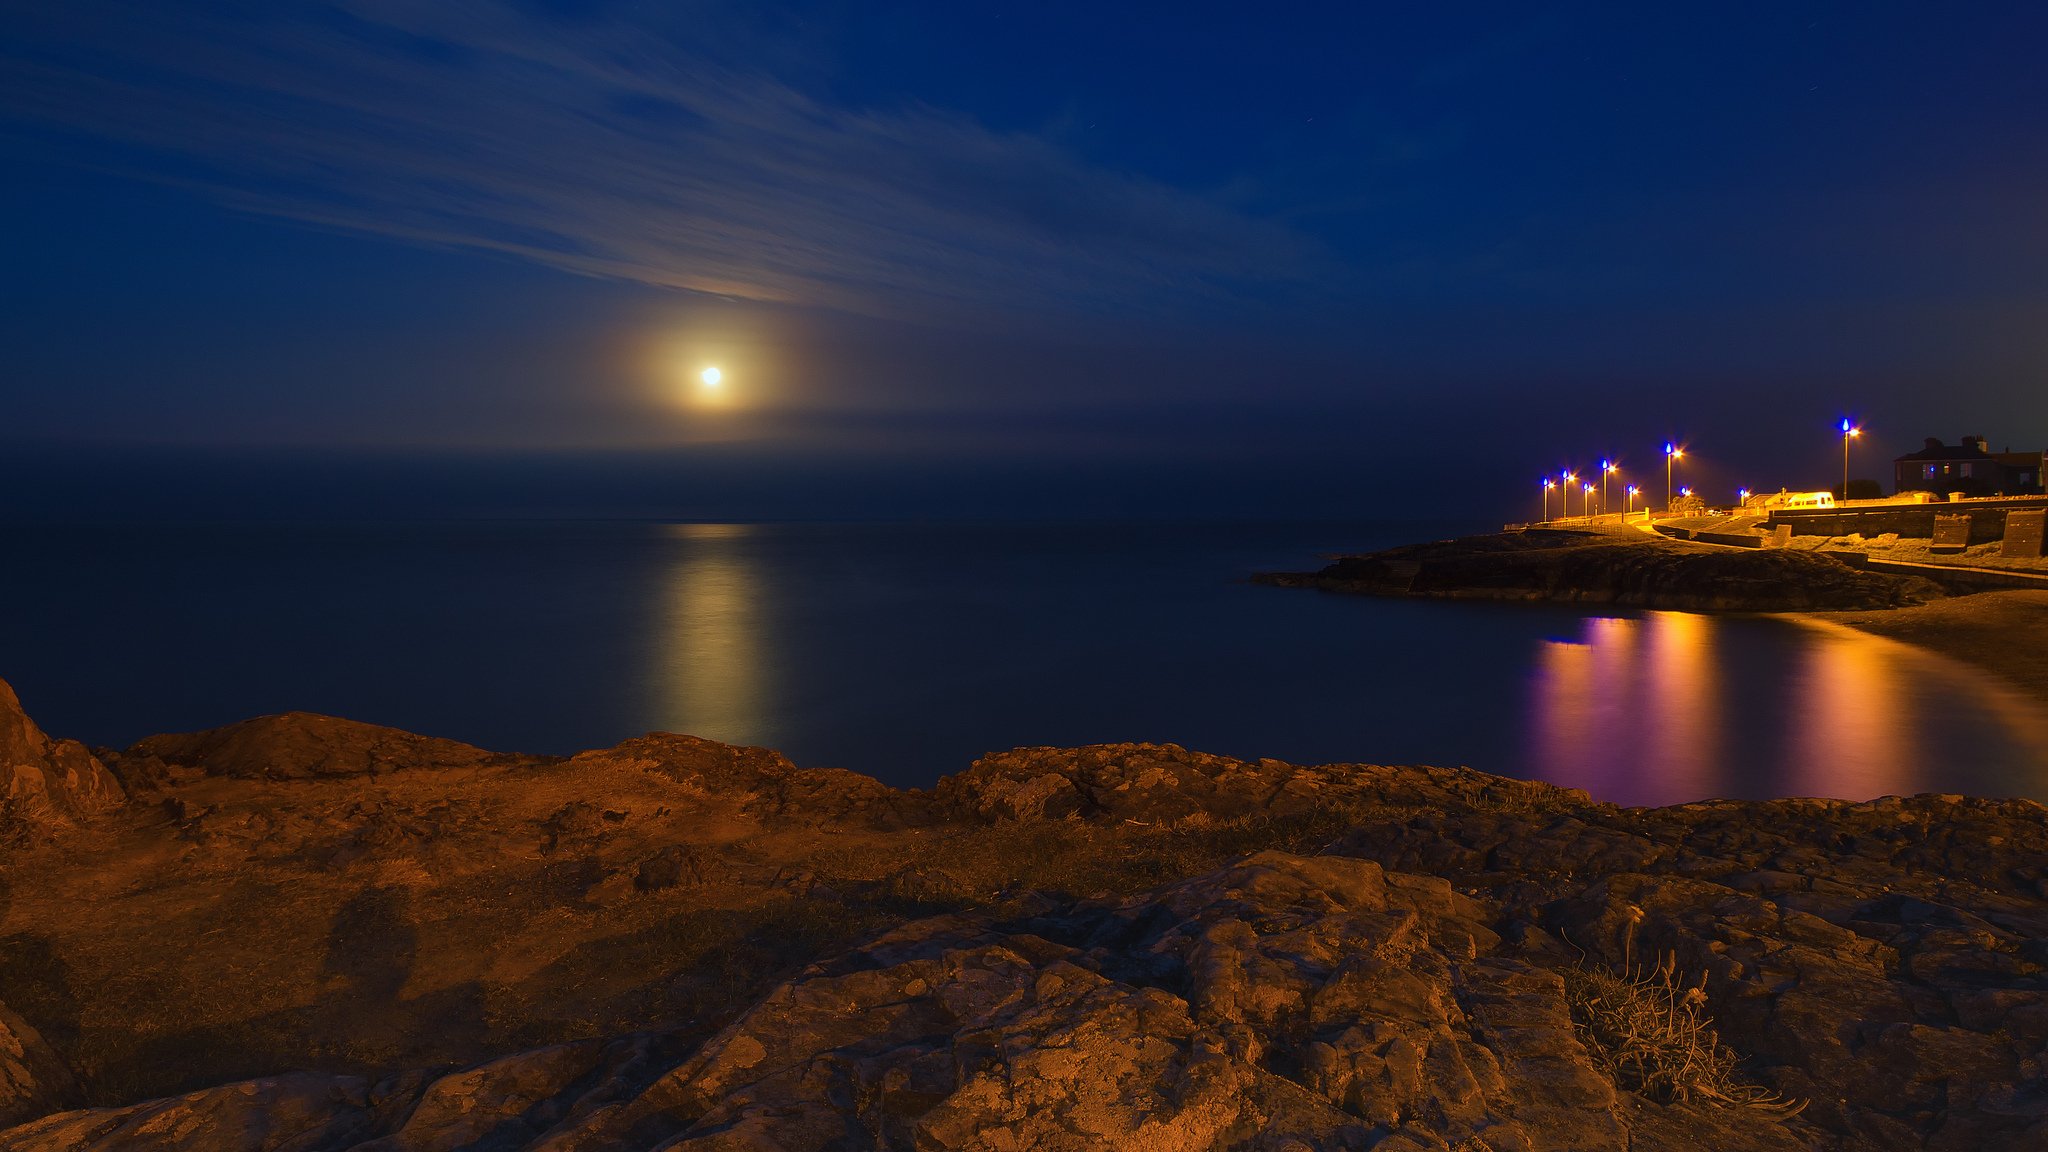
[{"x": 1970, "y": 468}]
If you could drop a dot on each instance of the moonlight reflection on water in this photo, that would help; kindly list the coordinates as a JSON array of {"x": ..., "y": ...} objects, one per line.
[{"x": 905, "y": 651}]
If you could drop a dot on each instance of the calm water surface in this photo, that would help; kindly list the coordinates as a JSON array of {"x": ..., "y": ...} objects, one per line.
[{"x": 906, "y": 651}]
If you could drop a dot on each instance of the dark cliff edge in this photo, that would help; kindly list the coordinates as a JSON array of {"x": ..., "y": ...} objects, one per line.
[
  {"x": 309, "y": 935},
  {"x": 1605, "y": 568}
]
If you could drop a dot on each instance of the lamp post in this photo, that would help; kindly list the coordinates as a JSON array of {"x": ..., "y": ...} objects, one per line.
[
  {"x": 1849, "y": 432},
  {"x": 1671, "y": 452},
  {"x": 1548, "y": 484},
  {"x": 1631, "y": 507},
  {"x": 1741, "y": 498},
  {"x": 1569, "y": 477},
  {"x": 1586, "y": 500},
  {"x": 1607, "y": 468}
]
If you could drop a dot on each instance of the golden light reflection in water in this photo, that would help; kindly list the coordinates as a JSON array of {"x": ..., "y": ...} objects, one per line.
[
  {"x": 1853, "y": 740},
  {"x": 1646, "y": 711},
  {"x": 1869, "y": 682},
  {"x": 1684, "y": 707},
  {"x": 712, "y": 673}
]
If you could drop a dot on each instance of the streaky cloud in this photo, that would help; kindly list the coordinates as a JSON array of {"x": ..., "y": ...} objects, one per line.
[{"x": 625, "y": 148}]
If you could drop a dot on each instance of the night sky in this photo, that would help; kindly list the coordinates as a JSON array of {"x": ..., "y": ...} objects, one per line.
[{"x": 972, "y": 260}]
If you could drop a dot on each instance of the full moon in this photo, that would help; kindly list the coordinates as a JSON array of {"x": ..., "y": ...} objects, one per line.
[{"x": 711, "y": 377}]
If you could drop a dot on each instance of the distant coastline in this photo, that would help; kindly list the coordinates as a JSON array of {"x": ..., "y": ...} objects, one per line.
[
  {"x": 1617, "y": 566},
  {"x": 2004, "y": 632}
]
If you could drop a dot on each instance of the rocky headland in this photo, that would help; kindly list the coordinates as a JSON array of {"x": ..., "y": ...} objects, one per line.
[
  {"x": 303, "y": 934},
  {"x": 1621, "y": 567}
]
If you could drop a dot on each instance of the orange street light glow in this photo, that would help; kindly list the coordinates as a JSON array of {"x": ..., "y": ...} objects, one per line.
[
  {"x": 711, "y": 377},
  {"x": 1849, "y": 432}
]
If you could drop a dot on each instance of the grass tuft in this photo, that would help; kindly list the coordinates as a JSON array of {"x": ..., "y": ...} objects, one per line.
[{"x": 1650, "y": 1032}]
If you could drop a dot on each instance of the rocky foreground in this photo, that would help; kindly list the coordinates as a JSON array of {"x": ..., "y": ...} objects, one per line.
[
  {"x": 1621, "y": 567},
  {"x": 301, "y": 933}
]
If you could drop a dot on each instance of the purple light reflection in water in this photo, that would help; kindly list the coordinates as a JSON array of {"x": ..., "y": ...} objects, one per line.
[
  {"x": 1633, "y": 709},
  {"x": 1672, "y": 707}
]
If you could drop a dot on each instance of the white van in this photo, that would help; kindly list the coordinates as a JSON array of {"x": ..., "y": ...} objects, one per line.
[{"x": 1800, "y": 500}]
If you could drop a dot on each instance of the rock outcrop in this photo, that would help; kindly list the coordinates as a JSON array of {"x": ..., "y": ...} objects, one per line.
[
  {"x": 33, "y": 1081},
  {"x": 1600, "y": 568},
  {"x": 47, "y": 785},
  {"x": 1163, "y": 785},
  {"x": 761, "y": 781},
  {"x": 1284, "y": 1002},
  {"x": 302, "y": 744},
  {"x": 678, "y": 945}
]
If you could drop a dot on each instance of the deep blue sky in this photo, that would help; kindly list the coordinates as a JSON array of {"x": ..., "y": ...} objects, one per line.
[{"x": 970, "y": 259}]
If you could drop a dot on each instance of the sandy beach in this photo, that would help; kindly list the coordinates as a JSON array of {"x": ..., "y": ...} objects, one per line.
[{"x": 2004, "y": 632}]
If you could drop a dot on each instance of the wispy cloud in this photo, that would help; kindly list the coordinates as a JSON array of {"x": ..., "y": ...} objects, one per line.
[{"x": 626, "y": 148}]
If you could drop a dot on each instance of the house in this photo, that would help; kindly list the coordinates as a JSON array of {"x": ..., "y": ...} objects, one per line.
[{"x": 1971, "y": 468}]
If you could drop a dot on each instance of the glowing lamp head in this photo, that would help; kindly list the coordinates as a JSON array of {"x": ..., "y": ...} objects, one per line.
[
  {"x": 1670, "y": 449},
  {"x": 1685, "y": 491},
  {"x": 711, "y": 377},
  {"x": 1632, "y": 489}
]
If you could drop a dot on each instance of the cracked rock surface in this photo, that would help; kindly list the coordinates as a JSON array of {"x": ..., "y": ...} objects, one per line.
[{"x": 678, "y": 945}]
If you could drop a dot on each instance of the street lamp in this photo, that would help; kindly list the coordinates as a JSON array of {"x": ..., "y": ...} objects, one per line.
[
  {"x": 1671, "y": 452},
  {"x": 1569, "y": 477},
  {"x": 1849, "y": 432},
  {"x": 1607, "y": 467},
  {"x": 1548, "y": 484},
  {"x": 1741, "y": 498},
  {"x": 1630, "y": 509}
]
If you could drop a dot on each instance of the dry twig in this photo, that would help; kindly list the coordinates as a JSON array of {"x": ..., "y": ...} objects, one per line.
[{"x": 1652, "y": 1033}]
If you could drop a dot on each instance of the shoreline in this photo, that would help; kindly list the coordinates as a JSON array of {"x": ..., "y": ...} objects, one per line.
[
  {"x": 1622, "y": 567},
  {"x": 2003, "y": 632}
]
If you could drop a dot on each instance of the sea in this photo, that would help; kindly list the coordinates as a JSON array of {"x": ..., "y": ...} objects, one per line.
[{"x": 906, "y": 651}]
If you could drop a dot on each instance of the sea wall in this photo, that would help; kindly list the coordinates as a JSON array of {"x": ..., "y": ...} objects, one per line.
[{"x": 1987, "y": 518}]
